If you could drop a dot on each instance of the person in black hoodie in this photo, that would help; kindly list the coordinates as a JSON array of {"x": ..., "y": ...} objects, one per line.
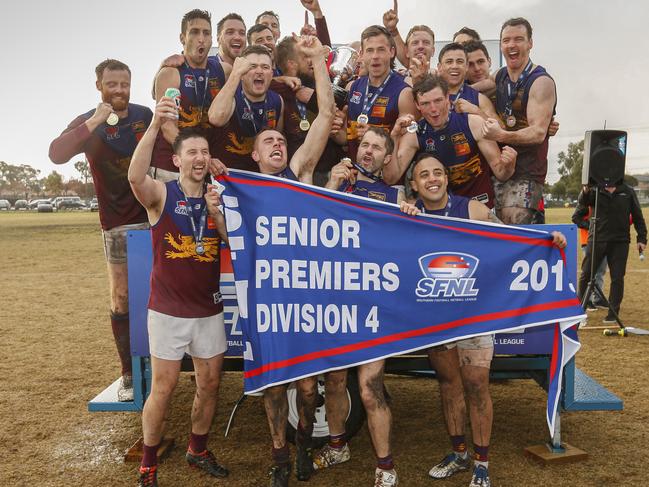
[{"x": 617, "y": 206}]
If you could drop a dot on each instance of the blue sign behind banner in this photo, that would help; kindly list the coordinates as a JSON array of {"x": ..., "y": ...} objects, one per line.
[{"x": 327, "y": 280}]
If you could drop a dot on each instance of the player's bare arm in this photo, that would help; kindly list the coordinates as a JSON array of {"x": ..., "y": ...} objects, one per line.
[
  {"x": 306, "y": 157},
  {"x": 223, "y": 105},
  {"x": 167, "y": 78},
  {"x": 540, "y": 106},
  {"x": 390, "y": 21},
  {"x": 501, "y": 161},
  {"x": 405, "y": 148},
  {"x": 150, "y": 192}
]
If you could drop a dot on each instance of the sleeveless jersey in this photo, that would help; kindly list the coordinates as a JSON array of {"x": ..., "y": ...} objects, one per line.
[
  {"x": 466, "y": 93},
  {"x": 376, "y": 190},
  {"x": 455, "y": 147},
  {"x": 457, "y": 207},
  {"x": 184, "y": 284},
  {"x": 198, "y": 87},
  {"x": 384, "y": 112},
  {"x": 532, "y": 160},
  {"x": 108, "y": 151},
  {"x": 287, "y": 173},
  {"x": 232, "y": 143}
]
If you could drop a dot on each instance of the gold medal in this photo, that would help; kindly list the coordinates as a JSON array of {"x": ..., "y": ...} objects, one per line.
[
  {"x": 112, "y": 119},
  {"x": 304, "y": 125},
  {"x": 362, "y": 118},
  {"x": 510, "y": 121}
]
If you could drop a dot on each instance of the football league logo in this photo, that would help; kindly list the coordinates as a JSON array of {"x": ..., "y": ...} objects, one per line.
[
  {"x": 356, "y": 97},
  {"x": 447, "y": 275},
  {"x": 190, "y": 82}
]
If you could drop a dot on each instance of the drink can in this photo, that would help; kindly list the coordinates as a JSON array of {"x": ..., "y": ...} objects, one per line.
[{"x": 174, "y": 94}]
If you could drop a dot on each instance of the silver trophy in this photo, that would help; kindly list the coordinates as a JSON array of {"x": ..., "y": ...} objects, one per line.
[{"x": 342, "y": 69}]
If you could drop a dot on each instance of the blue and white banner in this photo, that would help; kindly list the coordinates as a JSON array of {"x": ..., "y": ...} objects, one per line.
[{"x": 327, "y": 280}]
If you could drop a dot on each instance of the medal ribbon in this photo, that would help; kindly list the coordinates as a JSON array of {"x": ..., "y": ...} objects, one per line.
[
  {"x": 301, "y": 108},
  {"x": 365, "y": 172},
  {"x": 367, "y": 104},
  {"x": 512, "y": 88},
  {"x": 252, "y": 113},
  {"x": 198, "y": 235},
  {"x": 456, "y": 97}
]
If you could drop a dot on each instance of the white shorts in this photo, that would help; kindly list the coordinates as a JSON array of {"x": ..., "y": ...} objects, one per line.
[
  {"x": 477, "y": 351},
  {"x": 171, "y": 337}
]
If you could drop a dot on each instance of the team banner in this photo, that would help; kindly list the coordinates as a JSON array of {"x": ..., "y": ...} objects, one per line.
[{"x": 328, "y": 280}]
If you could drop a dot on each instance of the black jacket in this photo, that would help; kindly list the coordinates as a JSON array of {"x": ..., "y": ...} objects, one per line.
[{"x": 613, "y": 214}]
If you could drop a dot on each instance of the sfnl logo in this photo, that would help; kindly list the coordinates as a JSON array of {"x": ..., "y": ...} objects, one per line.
[{"x": 447, "y": 275}]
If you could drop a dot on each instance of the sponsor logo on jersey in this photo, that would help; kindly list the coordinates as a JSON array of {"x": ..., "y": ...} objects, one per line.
[
  {"x": 356, "y": 98},
  {"x": 382, "y": 101},
  {"x": 190, "y": 82},
  {"x": 112, "y": 133},
  {"x": 460, "y": 144}
]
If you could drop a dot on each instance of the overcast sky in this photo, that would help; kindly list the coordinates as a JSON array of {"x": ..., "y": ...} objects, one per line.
[{"x": 595, "y": 50}]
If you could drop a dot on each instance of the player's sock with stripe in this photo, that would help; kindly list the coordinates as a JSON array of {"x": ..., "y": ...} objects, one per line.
[
  {"x": 458, "y": 443},
  {"x": 198, "y": 443},
  {"x": 481, "y": 455},
  {"x": 385, "y": 463},
  {"x": 337, "y": 441}
]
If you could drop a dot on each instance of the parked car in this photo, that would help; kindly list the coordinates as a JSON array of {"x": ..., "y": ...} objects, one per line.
[
  {"x": 33, "y": 204},
  {"x": 21, "y": 205},
  {"x": 5, "y": 205},
  {"x": 94, "y": 205},
  {"x": 45, "y": 207},
  {"x": 69, "y": 203}
]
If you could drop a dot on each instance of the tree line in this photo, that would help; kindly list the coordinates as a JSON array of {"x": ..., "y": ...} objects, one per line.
[
  {"x": 571, "y": 162},
  {"x": 25, "y": 182}
]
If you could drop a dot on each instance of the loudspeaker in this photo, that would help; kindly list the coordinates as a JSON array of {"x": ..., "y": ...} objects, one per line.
[{"x": 604, "y": 157}]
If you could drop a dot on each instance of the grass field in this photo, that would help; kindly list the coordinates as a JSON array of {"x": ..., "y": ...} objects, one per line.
[{"x": 58, "y": 353}]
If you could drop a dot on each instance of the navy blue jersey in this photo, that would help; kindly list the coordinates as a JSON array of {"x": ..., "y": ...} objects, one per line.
[
  {"x": 457, "y": 207},
  {"x": 455, "y": 147},
  {"x": 532, "y": 160},
  {"x": 376, "y": 190},
  {"x": 287, "y": 173},
  {"x": 383, "y": 113},
  {"x": 232, "y": 144},
  {"x": 466, "y": 93}
]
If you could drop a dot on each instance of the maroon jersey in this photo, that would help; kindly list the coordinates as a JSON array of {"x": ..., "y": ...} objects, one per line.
[
  {"x": 198, "y": 87},
  {"x": 184, "y": 283},
  {"x": 232, "y": 143},
  {"x": 532, "y": 160},
  {"x": 455, "y": 147},
  {"x": 108, "y": 150}
]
